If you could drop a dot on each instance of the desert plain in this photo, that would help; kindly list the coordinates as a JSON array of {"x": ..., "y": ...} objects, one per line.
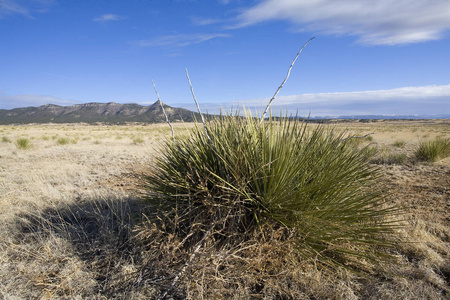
[{"x": 71, "y": 213}]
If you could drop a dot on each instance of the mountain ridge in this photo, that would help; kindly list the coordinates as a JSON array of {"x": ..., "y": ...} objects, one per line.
[
  {"x": 116, "y": 113},
  {"x": 94, "y": 112}
]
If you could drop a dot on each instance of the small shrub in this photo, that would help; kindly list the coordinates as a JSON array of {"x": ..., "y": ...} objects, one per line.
[
  {"x": 6, "y": 139},
  {"x": 359, "y": 139},
  {"x": 433, "y": 150},
  {"x": 368, "y": 138},
  {"x": 138, "y": 140},
  {"x": 385, "y": 156},
  {"x": 399, "y": 144},
  {"x": 45, "y": 138},
  {"x": 63, "y": 141},
  {"x": 369, "y": 151},
  {"x": 23, "y": 143}
]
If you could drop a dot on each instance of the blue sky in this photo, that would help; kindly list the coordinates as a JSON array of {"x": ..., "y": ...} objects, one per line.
[{"x": 368, "y": 57}]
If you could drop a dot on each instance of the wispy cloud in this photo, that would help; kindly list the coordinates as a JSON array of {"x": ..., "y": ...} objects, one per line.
[
  {"x": 12, "y": 7},
  {"x": 179, "y": 40},
  {"x": 423, "y": 100},
  {"x": 204, "y": 21},
  {"x": 24, "y": 100},
  {"x": 373, "y": 22},
  {"x": 433, "y": 99},
  {"x": 108, "y": 18},
  {"x": 403, "y": 93},
  {"x": 26, "y": 8}
]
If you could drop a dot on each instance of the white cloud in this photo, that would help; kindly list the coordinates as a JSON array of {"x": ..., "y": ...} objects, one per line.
[
  {"x": 422, "y": 100},
  {"x": 24, "y": 100},
  {"x": 11, "y": 7},
  {"x": 179, "y": 40},
  {"x": 431, "y": 99},
  {"x": 374, "y": 22},
  {"x": 400, "y": 94},
  {"x": 204, "y": 21},
  {"x": 25, "y": 8},
  {"x": 108, "y": 18}
]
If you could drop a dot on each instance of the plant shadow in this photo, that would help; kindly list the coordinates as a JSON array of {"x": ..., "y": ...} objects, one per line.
[{"x": 100, "y": 234}]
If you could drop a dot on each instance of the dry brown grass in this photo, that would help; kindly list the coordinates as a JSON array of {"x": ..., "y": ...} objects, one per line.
[{"x": 73, "y": 225}]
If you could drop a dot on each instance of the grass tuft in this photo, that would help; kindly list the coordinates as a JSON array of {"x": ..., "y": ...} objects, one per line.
[
  {"x": 63, "y": 141},
  {"x": 368, "y": 138},
  {"x": 399, "y": 144},
  {"x": 138, "y": 141},
  {"x": 6, "y": 139},
  {"x": 23, "y": 143},
  {"x": 433, "y": 150}
]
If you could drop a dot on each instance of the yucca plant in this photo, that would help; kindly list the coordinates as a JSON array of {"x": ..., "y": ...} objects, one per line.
[
  {"x": 433, "y": 150},
  {"x": 308, "y": 179}
]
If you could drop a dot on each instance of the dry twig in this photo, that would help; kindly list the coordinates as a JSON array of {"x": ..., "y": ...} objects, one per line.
[
  {"x": 284, "y": 81},
  {"x": 198, "y": 108},
  {"x": 164, "y": 111}
]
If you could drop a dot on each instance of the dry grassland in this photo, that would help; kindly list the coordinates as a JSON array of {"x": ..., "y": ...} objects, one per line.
[{"x": 71, "y": 215}]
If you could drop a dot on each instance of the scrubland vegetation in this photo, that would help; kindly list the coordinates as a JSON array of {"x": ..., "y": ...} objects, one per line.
[
  {"x": 23, "y": 143},
  {"x": 84, "y": 221},
  {"x": 433, "y": 150}
]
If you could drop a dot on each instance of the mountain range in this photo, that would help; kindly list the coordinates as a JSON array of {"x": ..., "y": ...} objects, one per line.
[
  {"x": 115, "y": 113},
  {"x": 111, "y": 113}
]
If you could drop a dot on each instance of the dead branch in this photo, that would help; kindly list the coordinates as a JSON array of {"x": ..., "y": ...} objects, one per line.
[
  {"x": 198, "y": 108},
  {"x": 164, "y": 111},
  {"x": 284, "y": 81}
]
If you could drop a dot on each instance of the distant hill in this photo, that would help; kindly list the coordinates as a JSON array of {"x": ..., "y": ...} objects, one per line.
[{"x": 112, "y": 113}]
